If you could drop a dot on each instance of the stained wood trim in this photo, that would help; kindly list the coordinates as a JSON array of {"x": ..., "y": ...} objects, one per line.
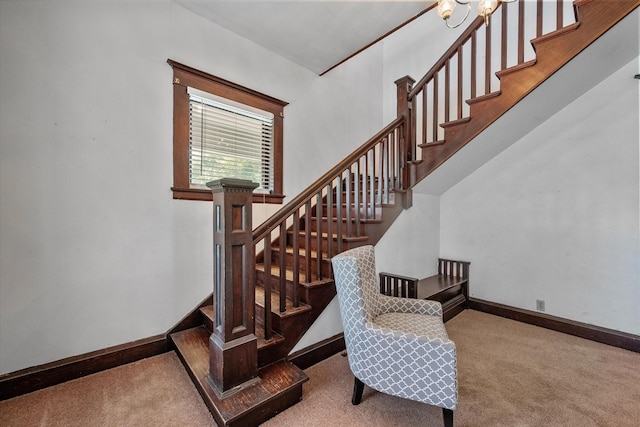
[
  {"x": 193, "y": 318},
  {"x": 42, "y": 376},
  {"x": 318, "y": 352},
  {"x": 379, "y": 38},
  {"x": 198, "y": 194},
  {"x": 583, "y": 330}
]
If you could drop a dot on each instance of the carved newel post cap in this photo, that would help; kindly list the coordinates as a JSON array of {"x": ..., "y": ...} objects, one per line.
[{"x": 233, "y": 183}]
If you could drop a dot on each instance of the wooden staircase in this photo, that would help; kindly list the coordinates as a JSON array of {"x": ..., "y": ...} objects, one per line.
[
  {"x": 356, "y": 202},
  {"x": 454, "y": 127}
]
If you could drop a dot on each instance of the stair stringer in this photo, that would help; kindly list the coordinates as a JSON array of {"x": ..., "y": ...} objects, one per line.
[{"x": 553, "y": 53}]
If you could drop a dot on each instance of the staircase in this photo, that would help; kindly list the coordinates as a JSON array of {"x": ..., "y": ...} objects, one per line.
[{"x": 356, "y": 201}]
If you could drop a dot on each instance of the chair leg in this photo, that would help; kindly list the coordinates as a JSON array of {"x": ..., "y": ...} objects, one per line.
[
  {"x": 447, "y": 414},
  {"x": 358, "y": 387}
]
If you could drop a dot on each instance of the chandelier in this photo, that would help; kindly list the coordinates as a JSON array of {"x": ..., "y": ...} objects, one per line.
[{"x": 485, "y": 9}]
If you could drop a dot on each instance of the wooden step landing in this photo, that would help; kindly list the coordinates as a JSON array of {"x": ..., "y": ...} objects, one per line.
[
  {"x": 207, "y": 317},
  {"x": 279, "y": 388}
]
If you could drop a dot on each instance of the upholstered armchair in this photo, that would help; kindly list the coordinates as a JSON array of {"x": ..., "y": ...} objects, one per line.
[{"x": 397, "y": 346}]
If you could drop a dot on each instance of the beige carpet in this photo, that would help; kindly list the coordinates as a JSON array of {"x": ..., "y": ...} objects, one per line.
[
  {"x": 510, "y": 374},
  {"x": 152, "y": 392}
]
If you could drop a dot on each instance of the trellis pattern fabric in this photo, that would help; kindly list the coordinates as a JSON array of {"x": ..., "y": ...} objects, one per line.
[{"x": 397, "y": 346}]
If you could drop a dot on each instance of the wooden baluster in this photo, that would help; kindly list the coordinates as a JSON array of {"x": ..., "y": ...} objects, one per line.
[
  {"x": 392, "y": 161},
  {"x": 520, "y": 31},
  {"x": 408, "y": 135},
  {"x": 266, "y": 284},
  {"x": 473, "y": 65},
  {"x": 539, "y": 11},
  {"x": 372, "y": 191},
  {"x": 339, "y": 213},
  {"x": 329, "y": 198},
  {"x": 307, "y": 240},
  {"x": 349, "y": 204},
  {"x": 380, "y": 172},
  {"x": 447, "y": 90},
  {"x": 487, "y": 58},
  {"x": 282, "y": 288},
  {"x": 425, "y": 108},
  {"x": 505, "y": 36},
  {"x": 459, "y": 82},
  {"x": 296, "y": 258},
  {"x": 559, "y": 15},
  {"x": 385, "y": 169},
  {"x": 435, "y": 107},
  {"x": 356, "y": 195},
  {"x": 365, "y": 184},
  {"x": 319, "y": 233}
]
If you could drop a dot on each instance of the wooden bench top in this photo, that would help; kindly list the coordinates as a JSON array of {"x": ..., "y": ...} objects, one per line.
[{"x": 436, "y": 284}]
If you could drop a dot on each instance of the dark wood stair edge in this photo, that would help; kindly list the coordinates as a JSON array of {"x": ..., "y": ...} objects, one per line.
[
  {"x": 484, "y": 97},
  {"x": 280, "y": 386},
  {"x": 515, "y": 68},
  {"x": 599, "y": 334},
  {"x": 555, "y": 34},
  {"x": 457, "y": 122}
]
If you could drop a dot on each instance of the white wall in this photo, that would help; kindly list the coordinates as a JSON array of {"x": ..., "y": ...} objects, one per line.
[
  {"x": 94, "y": 252},
  {"x": 555, "y": 217}
]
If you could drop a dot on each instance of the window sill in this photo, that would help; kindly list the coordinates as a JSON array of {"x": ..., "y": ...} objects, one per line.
[{"x": 201, "y": 194}]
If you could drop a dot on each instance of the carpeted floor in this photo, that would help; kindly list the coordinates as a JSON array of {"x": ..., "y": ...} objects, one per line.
[{"x": 510, "y": 374}]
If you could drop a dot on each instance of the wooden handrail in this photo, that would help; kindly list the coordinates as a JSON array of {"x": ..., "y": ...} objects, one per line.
[
  {"x": 469, "y": 76},
  {"x": 473, "y": 27},
  {"x": 297, "y": 202}
]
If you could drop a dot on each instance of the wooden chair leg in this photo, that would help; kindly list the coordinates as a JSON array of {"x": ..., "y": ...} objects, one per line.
[
  {"x": 358, "y": 387},
  {"x": 447, "y": 414}
]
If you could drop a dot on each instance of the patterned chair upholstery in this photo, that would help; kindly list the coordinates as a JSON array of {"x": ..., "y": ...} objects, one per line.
[{"x": 397, "y": 346}]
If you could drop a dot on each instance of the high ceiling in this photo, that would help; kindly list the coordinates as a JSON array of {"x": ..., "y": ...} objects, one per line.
[{"x": 314, "y": 34}]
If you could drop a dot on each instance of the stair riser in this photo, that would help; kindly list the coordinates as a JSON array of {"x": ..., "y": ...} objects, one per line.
[
  {"x": 314, "y": 243},
  {"x": 302, "y": 262},
  {"x": 324, "y": 228},
  {"x": 364, "y": 213}
]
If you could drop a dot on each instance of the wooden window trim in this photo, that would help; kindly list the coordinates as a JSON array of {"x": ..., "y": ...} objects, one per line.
[{"x": 184, "y": 77}]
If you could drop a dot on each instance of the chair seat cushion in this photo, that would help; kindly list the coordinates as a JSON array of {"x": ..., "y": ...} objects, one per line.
[{"x": 418, "y": 325}]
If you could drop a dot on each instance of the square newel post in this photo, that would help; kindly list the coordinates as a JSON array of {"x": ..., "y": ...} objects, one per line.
[
  {"x": 233, "y": 358},
  {"x": 407, "y": 142}
]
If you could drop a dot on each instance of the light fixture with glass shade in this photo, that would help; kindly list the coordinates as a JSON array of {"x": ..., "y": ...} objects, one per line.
[{"x": 485, "y": 9}]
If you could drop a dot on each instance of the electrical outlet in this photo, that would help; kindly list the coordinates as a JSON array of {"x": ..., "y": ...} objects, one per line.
[{"x": 540, "y": 304}]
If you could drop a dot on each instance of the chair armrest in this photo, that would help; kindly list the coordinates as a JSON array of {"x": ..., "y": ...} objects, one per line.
[{"x": 409, "y": 305}]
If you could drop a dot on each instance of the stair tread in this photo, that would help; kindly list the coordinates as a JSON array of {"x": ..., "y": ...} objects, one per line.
[
  {"x": 276, "y": 378},
  {"x": 259, "y": 330},
  {"x": 431, "y": 144},
  {"x": 554, "y": 34},
  {"x": 275, "y": 271},
  {"x": 515, "y": 68},
  {"x": 457, "y": 122},
  {"x": 484, "y": 97},
  {"x": 275, "y": 304}
]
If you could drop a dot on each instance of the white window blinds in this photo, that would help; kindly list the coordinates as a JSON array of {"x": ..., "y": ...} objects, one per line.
[{"x": 226, "y": 141}]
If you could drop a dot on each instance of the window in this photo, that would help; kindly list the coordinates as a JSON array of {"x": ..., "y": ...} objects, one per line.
[{"x": 224, "y": 130}]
